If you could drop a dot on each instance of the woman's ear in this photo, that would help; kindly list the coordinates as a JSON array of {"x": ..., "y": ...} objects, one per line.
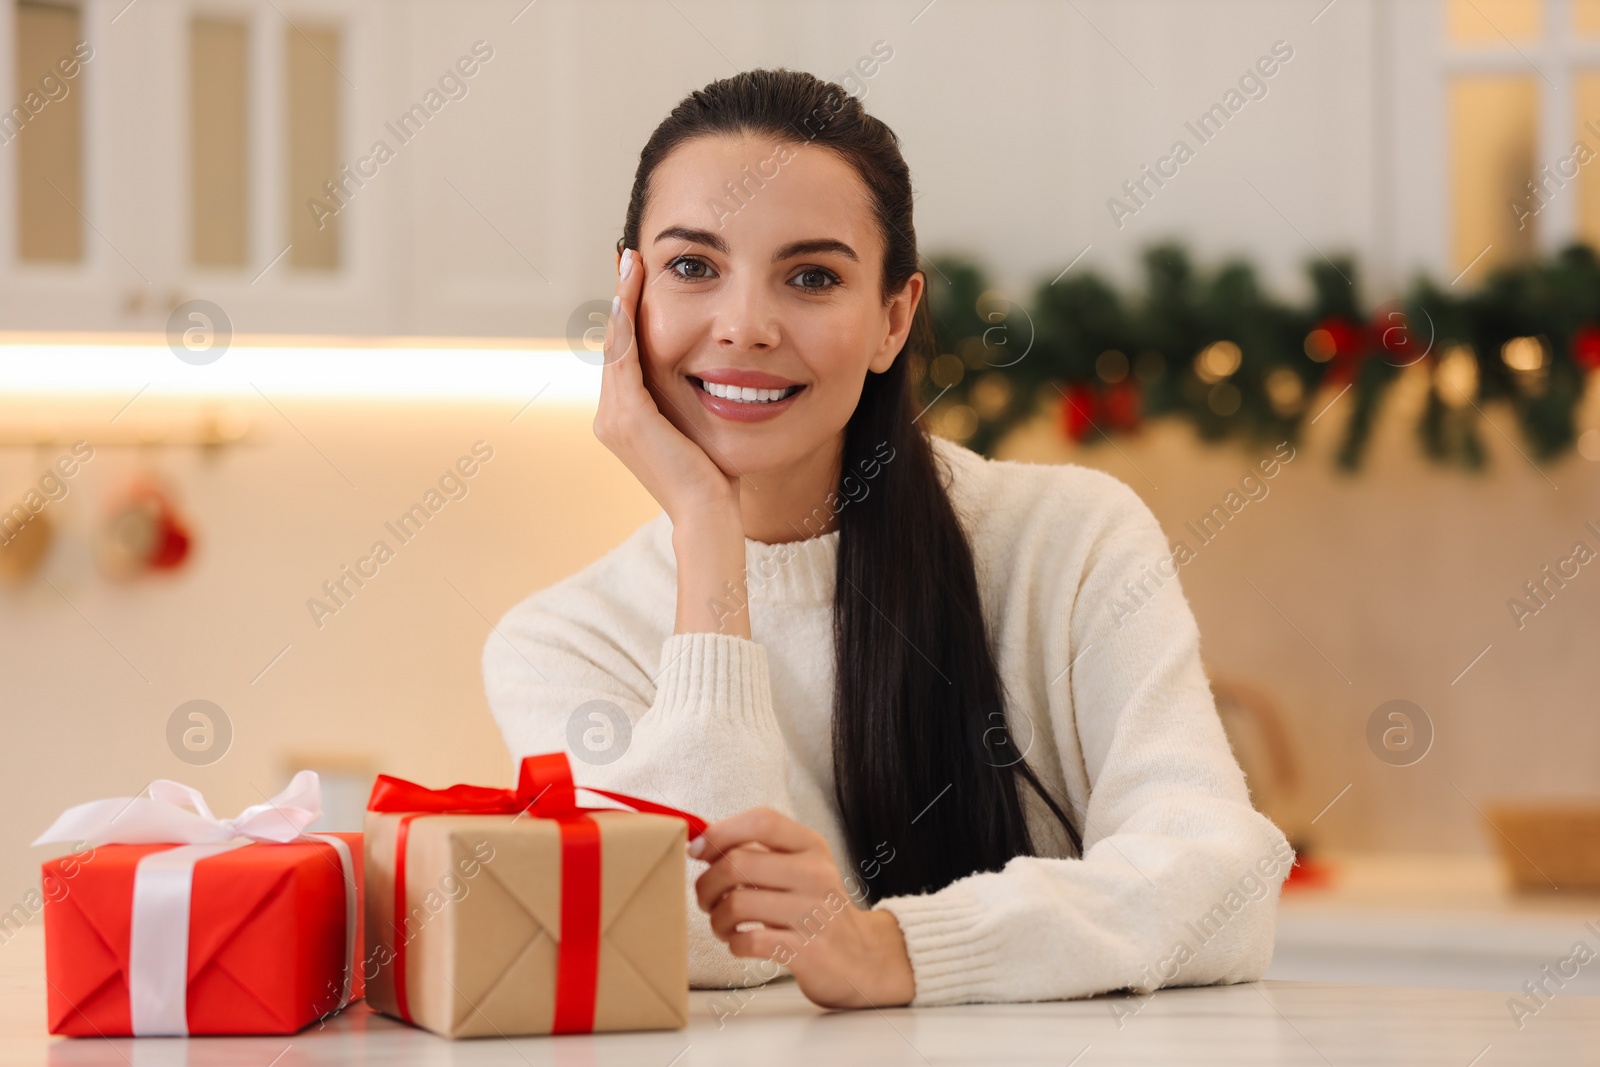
[{"x": 902, "y": 310}]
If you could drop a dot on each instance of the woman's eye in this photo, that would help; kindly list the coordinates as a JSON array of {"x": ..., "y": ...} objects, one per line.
[
  {"x": 822, "y": 279},
  {"x": 689, "y": 261}
]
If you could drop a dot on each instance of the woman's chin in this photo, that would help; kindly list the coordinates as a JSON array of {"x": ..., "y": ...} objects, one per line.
[
  {"x": 742, "y": 453},
  {"x": 739, "y": 459}
]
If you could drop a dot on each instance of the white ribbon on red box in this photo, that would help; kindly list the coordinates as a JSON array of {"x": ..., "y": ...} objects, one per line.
[{"x": 158, "y": 952}]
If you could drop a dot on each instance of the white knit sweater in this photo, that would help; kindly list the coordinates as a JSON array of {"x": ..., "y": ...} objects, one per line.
[{"x": 1179, "y": 880}]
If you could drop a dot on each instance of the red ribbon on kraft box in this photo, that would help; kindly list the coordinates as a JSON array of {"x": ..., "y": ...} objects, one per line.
[{"x": 545, "y": 790}]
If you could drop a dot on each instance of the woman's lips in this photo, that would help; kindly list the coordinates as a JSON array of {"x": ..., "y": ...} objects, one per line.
[
  {"x": 740, "y": 411},
  {"x": 742, "y": 377}
]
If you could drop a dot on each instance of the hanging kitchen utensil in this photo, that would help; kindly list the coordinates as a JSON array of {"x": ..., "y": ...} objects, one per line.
[{"x": 143, "y": 531}]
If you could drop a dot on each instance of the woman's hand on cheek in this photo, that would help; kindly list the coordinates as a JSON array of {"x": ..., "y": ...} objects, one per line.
[
  {"x": 675, "y": 470},
  {"x": 768, "y": 868}
]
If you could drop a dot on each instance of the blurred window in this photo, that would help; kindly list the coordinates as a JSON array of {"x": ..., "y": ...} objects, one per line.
[
  {"x": 1586, "y": 105},
  {"x": 1494, "y": 21},
  {"x": 1523, "y": 110},
  {"x": 44, "y": 126},
  {"x": 219, "y": 98},
  {"x": 1494, "y": 123},
  {"x": 1586, "y": 17},
  {"x": 313, "y": 83}
]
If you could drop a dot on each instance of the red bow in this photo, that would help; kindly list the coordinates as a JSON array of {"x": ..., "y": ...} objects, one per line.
[{"x": 545, "y": 790}]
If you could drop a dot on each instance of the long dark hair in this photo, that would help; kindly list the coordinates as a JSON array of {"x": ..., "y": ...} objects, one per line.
[{"x": 925, "y": 772}]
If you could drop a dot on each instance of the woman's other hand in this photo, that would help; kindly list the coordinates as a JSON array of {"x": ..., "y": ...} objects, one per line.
[{"x": 768, "y": 868}]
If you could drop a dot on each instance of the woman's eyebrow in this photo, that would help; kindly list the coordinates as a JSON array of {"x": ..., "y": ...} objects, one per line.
[
  {"x": 693, "y": 236},
  {"x": 815, "y": 246},
  {"x": 714, "y": 241}
]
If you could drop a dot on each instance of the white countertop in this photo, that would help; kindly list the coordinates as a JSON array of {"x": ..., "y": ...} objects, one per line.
[
  {"x": 1314, "y": 1024},
  {"x": 1431, "y": 921}
]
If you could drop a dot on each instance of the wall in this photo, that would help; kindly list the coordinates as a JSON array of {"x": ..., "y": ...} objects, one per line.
[{"x": 1398, "y": 576}]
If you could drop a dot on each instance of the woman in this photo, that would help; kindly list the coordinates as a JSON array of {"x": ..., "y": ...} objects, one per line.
[{"x": 946, "y": 766}]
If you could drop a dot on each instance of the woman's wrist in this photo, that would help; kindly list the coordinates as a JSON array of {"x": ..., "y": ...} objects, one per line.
[
  {"x": 712, "y": 592},
  {"x": 896, "y": 981}
]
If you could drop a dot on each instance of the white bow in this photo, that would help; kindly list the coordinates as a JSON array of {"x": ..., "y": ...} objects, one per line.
[{"x": 163, "y": 817}]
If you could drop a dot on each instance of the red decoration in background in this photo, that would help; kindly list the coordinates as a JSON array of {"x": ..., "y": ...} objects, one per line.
[
  {"x": 1121, "y": 404},
  {"x": 1079, "y": 412},
  {"x": 1586, "y": 347},
  {"x": 1391, "y": 334},
  {"x": 1084, "y": 408},
  {"x": 173, "y": 546},
  {"x": 143, "y": 531},
  {"x": 1351, "y": 346}
]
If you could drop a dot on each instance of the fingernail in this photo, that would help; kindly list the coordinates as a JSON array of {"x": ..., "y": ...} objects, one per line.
[
  {"x": 627, "y": 263},
  {"x": 616, "y": 304},
  {"x": 697, "y": 846}
]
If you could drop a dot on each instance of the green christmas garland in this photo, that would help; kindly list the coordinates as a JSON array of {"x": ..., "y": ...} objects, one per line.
[{"x": 1239, "y": 364}]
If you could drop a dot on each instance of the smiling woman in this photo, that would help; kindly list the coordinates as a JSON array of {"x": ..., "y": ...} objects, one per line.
[{"x": 941, "y": 772}]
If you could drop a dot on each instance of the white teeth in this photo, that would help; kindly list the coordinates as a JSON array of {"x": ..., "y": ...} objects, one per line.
[{"x": 745, "y": 394}]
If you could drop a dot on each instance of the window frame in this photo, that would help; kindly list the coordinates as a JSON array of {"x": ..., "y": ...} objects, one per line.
[{"x": 1553, "y": 60}]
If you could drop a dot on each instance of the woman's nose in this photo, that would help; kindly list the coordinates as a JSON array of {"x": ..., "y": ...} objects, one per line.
[{"x": 746, "y": 317}]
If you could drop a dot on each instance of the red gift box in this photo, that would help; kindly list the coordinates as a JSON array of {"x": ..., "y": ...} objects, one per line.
[
  {"x": 183, "y": 923},
  {"x": 267, "y": 937}
]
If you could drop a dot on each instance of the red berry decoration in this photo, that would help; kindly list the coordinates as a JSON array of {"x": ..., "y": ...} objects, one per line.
[
  {"x": 1586, "y": 347},
  {"x": 1349, "y": 339},
  {"x": 1392, "y": 335},
  {"x": 1121, "y": 404},
  {"x": 1351, "y": 345},
  {"x": 1079, "y": 409}
]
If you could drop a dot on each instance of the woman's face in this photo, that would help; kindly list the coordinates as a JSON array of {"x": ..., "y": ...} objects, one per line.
[{"x": 780, "y": 291}]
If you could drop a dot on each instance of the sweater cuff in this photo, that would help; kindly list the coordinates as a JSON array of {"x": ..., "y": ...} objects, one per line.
[
  {"x": 953, "y": 942},
  {"x": 707, "y": 670}
]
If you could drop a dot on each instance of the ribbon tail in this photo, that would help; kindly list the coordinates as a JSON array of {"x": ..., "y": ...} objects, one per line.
[
  {"x": 545, "y": 784},
  {"x": 132, "y": 821},
  {"x": 697, "y": 825},
  {"x": 84, "y": 822}
]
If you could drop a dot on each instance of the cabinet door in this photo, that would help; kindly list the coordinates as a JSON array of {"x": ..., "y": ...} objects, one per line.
[{"x": 161, "y": 153}]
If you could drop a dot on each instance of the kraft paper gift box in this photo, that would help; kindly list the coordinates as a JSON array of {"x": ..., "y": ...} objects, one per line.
[
  {"x": 521, "y": 913},
  {"x": 189, "y": 924}
]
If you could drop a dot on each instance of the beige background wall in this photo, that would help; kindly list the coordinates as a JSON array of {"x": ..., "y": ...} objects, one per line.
[{"x": 1399, "y": 576}]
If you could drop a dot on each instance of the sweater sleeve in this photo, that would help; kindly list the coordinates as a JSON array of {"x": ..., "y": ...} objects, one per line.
[
  {"x": 1179, "y": 878},
  {"x": 695, "y": 730}
]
